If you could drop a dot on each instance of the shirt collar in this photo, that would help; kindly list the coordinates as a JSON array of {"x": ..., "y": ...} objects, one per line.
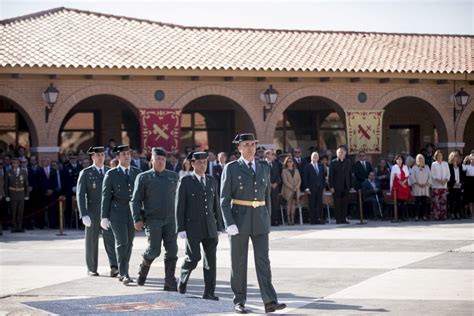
[
  {"x": 199, "y": 177},
  {"x": 123, "y": 168},
  {"x": 247, "y": 161},
  {"x": 99, "y": 168}
]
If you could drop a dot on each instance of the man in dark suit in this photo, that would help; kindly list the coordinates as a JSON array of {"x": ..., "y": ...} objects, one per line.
[
  {"x": 212, "y": 162},
  {"x": 275, "y": 181},
  {"x": 373, "y": 195},
  {"x": 70, "y": 174},
  {"x": 198, "y": 219},
  {"x": 173, "y": 163},
  {"x": 340, "y": 183},
  {"x": 361, "y": 169},
  {"x": 117, "y": 190},
  {"x": 48, "y": 183},
  {"x": 300, "y": 162},
  {"x": 314, "y": 181},
  {"x": 217, "y": 172},
  {"x": 137, "y": 162},
  {"x": 246, "y": 207}
]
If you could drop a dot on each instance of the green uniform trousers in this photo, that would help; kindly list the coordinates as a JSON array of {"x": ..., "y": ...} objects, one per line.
[
  {"x": 92, "y": 245},
  {"x": 158, "y": 230},
  {"x": 239, "y": 245},
  {"x": 124, "y": 232}
]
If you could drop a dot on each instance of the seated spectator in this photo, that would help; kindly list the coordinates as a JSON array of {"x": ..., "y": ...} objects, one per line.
[
  {"x": 420, "y": 180},
  {"x": 383, "y": 175},
  {"x": 373, "y": 195}
]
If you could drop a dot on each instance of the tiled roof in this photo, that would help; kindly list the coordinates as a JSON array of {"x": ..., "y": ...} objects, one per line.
[{"x": 72, "y": 38}]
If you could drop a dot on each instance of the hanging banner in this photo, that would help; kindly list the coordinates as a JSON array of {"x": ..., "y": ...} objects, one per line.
[
  {"x": 160, "y": 128},
  {"x": 364, "y": 131}
]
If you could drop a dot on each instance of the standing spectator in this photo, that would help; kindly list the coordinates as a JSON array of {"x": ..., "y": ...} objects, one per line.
[
  {"x": 290, "y": 190},
  {"x": 137, "y": 162},
  {"x": 383, "y": 175},
  {"x": 373, "y": 195},
  {"x": 173, "y": 164},
  {"x": 390, "y": 161},
  {"x": 399, "y": 186},
  {"x": 361, "y": 169},
  {"x": 48, "y": 184},
  {"x": 275, "y": 181},
  {"x": 70, "y": 174},
  {"x": 222, "y": 160},
  {"x": 17, "y": 191},
  {"x": 420, "y": 180},
  {"x": 2, "y": 195},
  {"x": 212, "y": 163},
  {"x": 297, "y": 155},
  {"x": 109, "y": 149},
  {"x": 340, "y": 183},
  {"x": 440, "y": 176},
  {"x": 455, "y": 183},
  {"x": 410, "y": 162},
  {"x": 314, "y": 181},
  {"x": 185, "y": 169},
  {"x": 468, "y": 167}
]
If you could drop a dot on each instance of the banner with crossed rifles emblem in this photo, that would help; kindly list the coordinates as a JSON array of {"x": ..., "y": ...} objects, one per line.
[
  {"x": 364, "y": 131},
  {"x": 160, "y": 128}
]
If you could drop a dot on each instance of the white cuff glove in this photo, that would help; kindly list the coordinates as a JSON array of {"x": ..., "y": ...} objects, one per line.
[
  {"x": 232, "y": 230},
  {"x": 86, "y": 220},
  {"x": 182, "y": 235},
  {"x": 7, "y": 199},
  {"x": 105, "y": 223},
  {"x": 74, "y": 189}
]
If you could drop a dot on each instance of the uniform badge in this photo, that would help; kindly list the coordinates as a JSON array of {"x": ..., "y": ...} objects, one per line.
[
  {"x": 21, "y": 178},
  {"x": 93, "y": 185}
]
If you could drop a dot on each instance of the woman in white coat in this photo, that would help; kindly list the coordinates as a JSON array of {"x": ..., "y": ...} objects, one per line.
[
  {"x": 420, "y": 180},
  {"x": 440, "y": 176}
]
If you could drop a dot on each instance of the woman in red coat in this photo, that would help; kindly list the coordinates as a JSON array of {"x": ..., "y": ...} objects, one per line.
[{"x": 399, "y": 184}]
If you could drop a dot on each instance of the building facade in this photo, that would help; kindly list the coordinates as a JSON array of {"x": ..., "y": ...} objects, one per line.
[{"x": 107, "y": 68}]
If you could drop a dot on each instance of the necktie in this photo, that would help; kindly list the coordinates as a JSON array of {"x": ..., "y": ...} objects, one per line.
[
  {"x": 363, "y": 164},
  {"x": 316, "y": 169},
  {"x": 101, "y": 172},
  {"x": 128, "y": 176},
  {"x": 251, "y": 168},
  {"x": 46, "y": 171},
  {"x": 202, "y": 183}
]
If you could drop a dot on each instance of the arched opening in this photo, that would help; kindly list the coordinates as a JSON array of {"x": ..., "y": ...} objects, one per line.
[
  {"x": 211, "y": 122},
  {"x": 468, "y": 137},
  {"x": 95, "y": 120},
  {"x": 14, "y": 127},
  {"x": 409, "y": 124},
  {"x": 312, "y": 121}
]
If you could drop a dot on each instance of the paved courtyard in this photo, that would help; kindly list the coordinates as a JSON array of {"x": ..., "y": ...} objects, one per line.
[{"x": 378, "y": 268}]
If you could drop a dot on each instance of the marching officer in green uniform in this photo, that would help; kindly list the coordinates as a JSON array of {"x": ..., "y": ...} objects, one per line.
[
  {"x": 117, "y": 192},
  {"x": 17, "y": 191},
  {"x": 153, "y": 209},
  {"x": 245, "y": 203},
  {"x": 199, "y": 218},
  {"x": 89, "y": 196}
]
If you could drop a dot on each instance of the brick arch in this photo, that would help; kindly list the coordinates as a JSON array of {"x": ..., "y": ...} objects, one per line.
[
  {"x": 62, "y": 109},
  {"x": 27, "y": 109},
  {"x": 217, "y": 90},
  {"x": 462, "y": 120},
  {"x": 298, "y": 94},
  {"x": 434, "y": 103}
]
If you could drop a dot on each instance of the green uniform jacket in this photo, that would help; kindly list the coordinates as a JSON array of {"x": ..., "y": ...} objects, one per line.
[
  {"x": 198, "y": 211},
  {"x": 117, "y": 193},
  {"x": 89, "y": 192},
  {"x": 239, "y": 182},
  {"x": 154, "y": 195},
  {"x": 16, "y": 188}
]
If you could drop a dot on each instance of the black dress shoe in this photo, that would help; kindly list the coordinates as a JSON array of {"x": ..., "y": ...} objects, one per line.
[
  {"x": 121, "y": 278},
  {"x": 182, "y": 287},
  {"x": 210, "y": 297},
  {"x": 240, "y": 309},
  {"x": 127, "y": 280},
  {"x": 114, "y": 272},
  {"x": 271, "y": 307},
  {"x": 92, "y": 273}
]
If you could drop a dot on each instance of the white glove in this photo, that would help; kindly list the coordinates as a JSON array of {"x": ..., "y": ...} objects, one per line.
[
  {"x": 86, "y": 220},
  {"x": 7, "y": 199},
  {"x": 182, "y": 235},
  {"x": 26, "y": 198},
  {"x": 105, "y": 223},
  {"x": 232, "y": 230},
  {"x": 74, "y": 189}
]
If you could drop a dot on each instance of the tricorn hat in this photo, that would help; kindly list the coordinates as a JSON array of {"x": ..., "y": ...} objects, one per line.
[
  {"x": 244, "y": 137},
  {"x": 158, "y": 151},
  {"x": 121, "y": 148},
  {"x": 197, "y": 155},
  {"x": 95, "y": 149}
]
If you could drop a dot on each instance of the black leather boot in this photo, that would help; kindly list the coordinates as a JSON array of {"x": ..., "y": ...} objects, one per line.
[
  {"x": 170, "y": 279},
  {"x": 143, "y": 272}
]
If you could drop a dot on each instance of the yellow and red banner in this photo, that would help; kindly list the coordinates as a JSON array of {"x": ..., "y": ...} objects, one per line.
[
  {"x": 160, "y": 128},
  {"x": 364, "y": 131}
]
